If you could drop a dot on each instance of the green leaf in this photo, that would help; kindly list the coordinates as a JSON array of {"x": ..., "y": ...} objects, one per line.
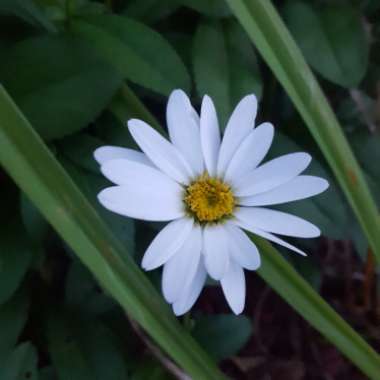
[
  {"x": 212, "y": 8},
  {"x": 333, "y": 40},
  {"x": 150, "y": 370},
  {"x": 62, "y": 95},
  {"x": 13, "y": 315},
  {"x": 229, "y": 70},
  {"x": 28, "y": 11},
  {"x": 138, "y": 52},
  {"x": 37, "y": 172},
  {"x": 15, "y": 257},
  {"x": 82, "y": 293},
  {"x": 150, "y": 11},
  {"x": 222, "y": 335},
  {"x": 21, "y": 364},
  {"x": 34, "y": 223},
  {"x": 84, "y": 350}
]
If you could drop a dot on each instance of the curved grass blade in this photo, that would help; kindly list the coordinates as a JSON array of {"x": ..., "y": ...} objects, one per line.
[
  {"x": 271, "y": 37},
  {"x": 39, "y": 175}
]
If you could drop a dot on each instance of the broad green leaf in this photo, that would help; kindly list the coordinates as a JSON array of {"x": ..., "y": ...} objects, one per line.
[
  {"x": 227, "y": 71},
  {"x": 34, "y": 223},
  {"x": 212, "y": 8},
  {"x": 82, "y": 292},
  {"x": 150, "y": 11},
  {"x": 58, "y": 83},
  {"x": 150, "y": 370},
  {"x": 84, "y": 350},
  {"x": 15, "y": 257},
  {"x": 23, "y": 154},
  {"x": 28, "y": 11},
  {"x": 333, "y": 40},
  {"x": 20, "y": 364},
  {"x": 138, "y": 52},
  {"x": 13, "y": 315},
  {"x": 222, "y": 335},
  {"x": 47, "y": 373}
]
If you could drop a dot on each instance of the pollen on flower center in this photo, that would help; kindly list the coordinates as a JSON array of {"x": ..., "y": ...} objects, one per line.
[{"x": 209, "y": 199}]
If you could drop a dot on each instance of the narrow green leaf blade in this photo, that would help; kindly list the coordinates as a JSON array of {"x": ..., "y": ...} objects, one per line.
[
  {"x": 138, "y": 52},
  {"x": 271, "y": 37},
  {"x": 36, "y": 171}
]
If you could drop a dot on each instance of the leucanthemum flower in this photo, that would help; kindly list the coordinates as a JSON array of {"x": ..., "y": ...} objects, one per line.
[{"x": 209, "y": 190}]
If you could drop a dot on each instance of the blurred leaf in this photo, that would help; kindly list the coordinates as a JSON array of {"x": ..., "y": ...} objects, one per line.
[
  {"x": 80, "y": 149},
  {"x": 222, "y": 335},
  {"x": 13, "y": 315},
  {"x": 84, "y": 350},
  {"x": 35, "y": 224},
  {"x": 327, "y": 210},
  {"x": 333, "y": 40},
  {"x": 213, "y": 8},
  {"x": 59, "y": 83},
  {"x": 83, "y": 294},
  {"x": 47, "y": 373},
  {"x": 150, "y": 369},
  {"x": 150, "y": 11},
  {"x": 28, "y": 11},
  {"x": 15, "y": 257},
  {"x": 21, "y": 364},
  {"x": 138, "y": 52},
  {"x": 227, "y": 71}
]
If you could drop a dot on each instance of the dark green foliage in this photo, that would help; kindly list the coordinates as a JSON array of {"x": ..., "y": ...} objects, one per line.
[{"x": 66, "y": 63}]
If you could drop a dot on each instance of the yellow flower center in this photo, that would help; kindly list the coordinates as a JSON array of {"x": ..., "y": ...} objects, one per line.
[{"x": 209, "y": 199}]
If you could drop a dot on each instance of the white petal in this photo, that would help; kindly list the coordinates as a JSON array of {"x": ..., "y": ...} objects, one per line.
[
  {"x": 168, "y": 241},
  {"x": 215, "y": 249},
  {"x": 251, "y": 152},
  {"x": 233, "y": 285},
  {"x": 160, "y": 151},
  {"x": 107, "y": 153},
  {"x": 300, "y": 187},
  {"x": 184, "y": 129},
  {"x": 239, "y": 125},
  {"x": 131, "y": 173},
  {"x": 188, "y": 298},
  {"x": 210, "y": 135},
  {"x": 242, "y": 249},
  {"x": 271, "y": 237},
  {"x": 180, "y": 270},
  {"x": 272, "y": 174},
  {"x": 277, "y": 222},
  {"x": 143, "y": 202}
]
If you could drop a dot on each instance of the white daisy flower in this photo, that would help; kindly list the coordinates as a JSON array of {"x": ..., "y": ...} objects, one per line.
[{"x": 209, "y": 190}]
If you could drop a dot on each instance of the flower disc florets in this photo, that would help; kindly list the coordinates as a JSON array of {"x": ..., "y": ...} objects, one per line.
[{"x": 209, "y": 200}]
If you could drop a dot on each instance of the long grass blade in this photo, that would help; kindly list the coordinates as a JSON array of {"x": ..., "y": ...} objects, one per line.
[
  {"x": 40, "y": 176},
  {"x": 273, "y": 40}
]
